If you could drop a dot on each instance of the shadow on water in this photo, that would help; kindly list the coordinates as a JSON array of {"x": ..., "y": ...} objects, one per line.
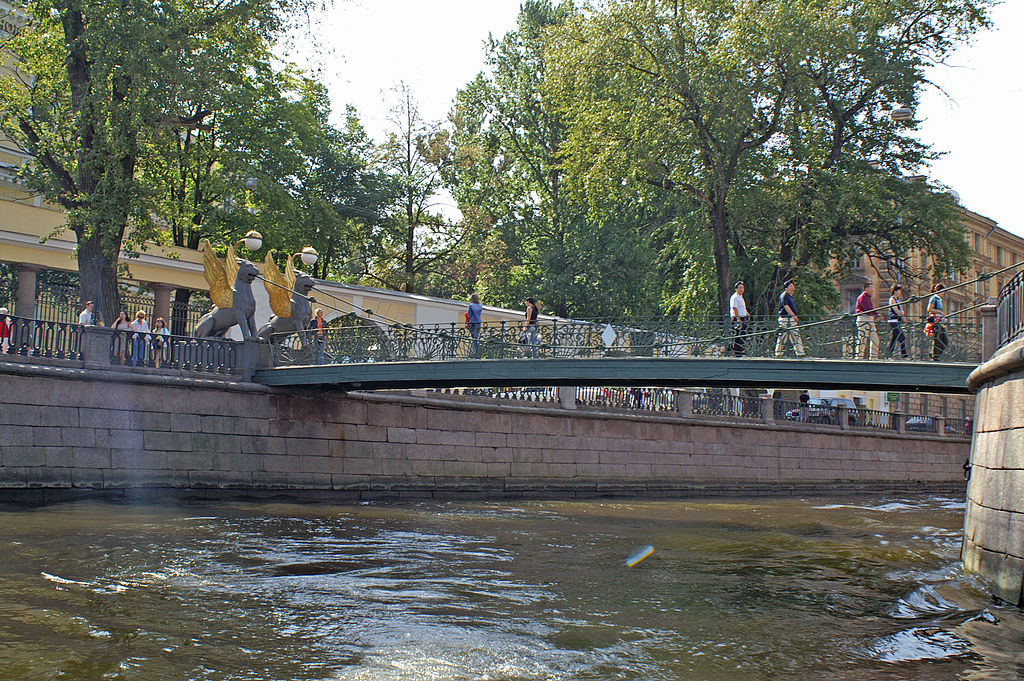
[{"x": 734, "y": 590}]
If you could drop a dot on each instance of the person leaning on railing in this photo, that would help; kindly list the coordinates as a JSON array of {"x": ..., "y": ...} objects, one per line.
[
  {"x": 161, "y": 338},
  {"x": 121, "y": 324},
  {"x": 87, "y": 317},
  {"x": 318, "y": 325},
  {"x": 5, "y": 330},
  {"x": 140, "y": 338}
]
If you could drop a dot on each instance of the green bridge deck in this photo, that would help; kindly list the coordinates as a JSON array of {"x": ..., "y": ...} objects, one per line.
[{"x": 834, "y": 374}]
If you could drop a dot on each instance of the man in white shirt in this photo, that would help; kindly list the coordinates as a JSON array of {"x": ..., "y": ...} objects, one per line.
[
  {"x": 87, "y": 317},
  {"x": 738, "y": 314},
  {"x": 140, "y": 339}
]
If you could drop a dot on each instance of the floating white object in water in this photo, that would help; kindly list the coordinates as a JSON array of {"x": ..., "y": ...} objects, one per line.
[{"x": 639, "y": 556}]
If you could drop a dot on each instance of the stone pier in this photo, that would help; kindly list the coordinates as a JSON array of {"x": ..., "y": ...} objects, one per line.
[{"x": 994, "y": 523}]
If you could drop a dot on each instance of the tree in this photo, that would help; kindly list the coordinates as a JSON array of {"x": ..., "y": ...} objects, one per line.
[
  {"x": 417, "y": 237},
  {"x": 87, "y": 108},
  {"x": 756, "y": 120},
  {"x": 532, "y": 235}
]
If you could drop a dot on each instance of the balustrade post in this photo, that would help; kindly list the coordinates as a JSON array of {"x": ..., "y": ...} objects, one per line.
[
  {"x": 768, "y": 410},
  {"x": 96, "y": 341},
  {"x": 684, "y": 403},
  {"x": 844, "y": 417},
  {"x": 567, "y": 396},
  {"x": 901, "y": 423},
  {"x": 940, "y": 425},
  {"x": 252, "y": 355},
  {"x": 989, "y": 331}
]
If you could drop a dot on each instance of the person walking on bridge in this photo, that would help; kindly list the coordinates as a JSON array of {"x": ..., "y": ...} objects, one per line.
[
  {"x": 867, "y": 334},
  {"x": 532, "y": 329},
  {"x": 895, "y": 320},
  {"x": 474, "y": 318},
  {"x": 940, "y": 339},
  {"x": 788, "y": 322},
  {"x": 738, "y": 315}
]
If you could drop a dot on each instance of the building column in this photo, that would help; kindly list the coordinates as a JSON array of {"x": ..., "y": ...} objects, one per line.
[
  {"x": 989, "y": 332},
  {"x": 161, "y": 302},
  {"x": 25, "y": 298}
]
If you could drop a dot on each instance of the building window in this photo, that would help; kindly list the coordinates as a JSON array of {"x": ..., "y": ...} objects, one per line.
[
  {"x": 977, "y": 244},
  {"x": 999, "y": 256}
]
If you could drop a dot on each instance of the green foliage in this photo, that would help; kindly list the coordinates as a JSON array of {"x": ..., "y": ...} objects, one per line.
[
  {"x": 757, "y": 121},
  {"x": 102, "y": 84},
  {"x": 531, "y": 234}
]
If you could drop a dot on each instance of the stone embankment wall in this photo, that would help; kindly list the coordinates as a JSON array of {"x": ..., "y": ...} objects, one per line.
[
  {"x": 994, "y": 522},
  {"x": 69, "y": 432}
]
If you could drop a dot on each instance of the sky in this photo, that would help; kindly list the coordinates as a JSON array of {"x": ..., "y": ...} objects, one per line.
[{"x": 364, "y": 48}]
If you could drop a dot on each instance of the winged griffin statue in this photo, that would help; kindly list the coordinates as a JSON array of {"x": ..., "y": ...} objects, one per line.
[
  {"x": 231, "y": 292},
  {"x": 289, "y": 298}
]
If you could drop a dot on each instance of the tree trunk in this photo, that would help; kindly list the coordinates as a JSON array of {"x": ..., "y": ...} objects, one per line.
[
  {"x": 98, "y": 278},
  {"x": 720, "y": 236},
  {"x": 179, "y": 311}
]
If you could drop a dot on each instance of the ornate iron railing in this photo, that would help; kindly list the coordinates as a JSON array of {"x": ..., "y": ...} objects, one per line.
[
  {"x": 1010, "y": 309},
  {"x": 63, "y": 304},
  {"x": 959, "y": 426},
  {"x": 874, "y": 419},
  {"x": 206, "y": 355},
  {"x": 39, "y": 338},
  {"x": 636, "y": 399},
  {"x": 531, "y": 395},
  {"x": 834, "y": 338},
  {"x": 724, "y": 405}
]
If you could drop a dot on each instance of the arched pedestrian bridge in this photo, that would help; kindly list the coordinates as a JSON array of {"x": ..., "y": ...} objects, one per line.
[{"x": 362, "y": 354}]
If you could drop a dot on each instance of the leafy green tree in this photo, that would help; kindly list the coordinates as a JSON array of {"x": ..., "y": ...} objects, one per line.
[
  {"x": 416, "y": 239},
  {"x": 757, "y": 121},
  {"x": 100, "y": 80},
  {"x": 531, "y": 234}
]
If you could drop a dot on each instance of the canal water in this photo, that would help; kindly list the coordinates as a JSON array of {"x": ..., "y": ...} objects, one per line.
[{"x": 738, "y": 589}]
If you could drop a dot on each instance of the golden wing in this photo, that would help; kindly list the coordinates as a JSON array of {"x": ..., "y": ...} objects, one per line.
[
  {"x": 278, "y": 289},
  {"x": 231, "y": 266},
  {"x": 289, "y": 273},
  {"x": 216, "y": 276}
]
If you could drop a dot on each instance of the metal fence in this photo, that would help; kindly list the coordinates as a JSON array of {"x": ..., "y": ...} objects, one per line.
[
  {"x": 652, "y": 400},
  {"x": 726, "y": 407},
  {"x": 39, "y": 338},
  {"x": 208, "y": 355},
  {"x": 63, "y": 304},
  {"x": 1010, "y": 309},
  {"x": 832, "y": 338}
]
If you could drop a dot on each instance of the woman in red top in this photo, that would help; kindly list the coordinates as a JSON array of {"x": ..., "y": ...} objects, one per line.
[{"x": 5, "y": 330}]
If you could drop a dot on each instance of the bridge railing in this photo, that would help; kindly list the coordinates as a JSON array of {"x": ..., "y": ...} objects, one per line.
[
  {"x": 38, "y": 338},
  {"x": 725, "y": 407},
  {"x": 1010, "y": 309},
  {"x": 822, "y": 338},
  {"x": 204, "y": 355}
]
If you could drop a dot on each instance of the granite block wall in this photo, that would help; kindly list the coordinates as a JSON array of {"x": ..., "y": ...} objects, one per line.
[
  {"x": 73, "y": 432},
  {"x": 994, "y": 521}
]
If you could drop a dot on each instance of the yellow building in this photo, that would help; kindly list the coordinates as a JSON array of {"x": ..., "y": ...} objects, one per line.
[{"x": 992, "y": 248}]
